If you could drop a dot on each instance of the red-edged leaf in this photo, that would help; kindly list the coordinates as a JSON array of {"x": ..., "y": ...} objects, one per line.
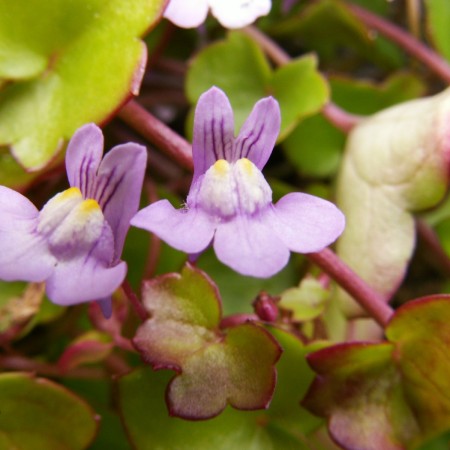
[{"x": 183, "y": 334}]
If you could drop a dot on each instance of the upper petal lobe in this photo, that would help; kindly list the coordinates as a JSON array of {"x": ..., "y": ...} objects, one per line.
[{"x": 213, "y": 131}]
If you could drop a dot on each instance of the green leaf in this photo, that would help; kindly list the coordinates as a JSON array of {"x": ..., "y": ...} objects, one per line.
[
  {"x": 438, "y": 24},
  {"x": 183, "y": 334},
  {"x": 300, "y": 90},
  {"x": 238, "y": 66},
  {"x": 41, "y": 415},
  {"x": 394, "y": 165},
  {"x": 328, "y": 26},
  {"x": 392, "y": 395},
  {"x": 76, "y": 64},
  {"x": 307, "y": 301},
  {"x": 365, "y": 97},
  {"x": 315, "y": 147}
]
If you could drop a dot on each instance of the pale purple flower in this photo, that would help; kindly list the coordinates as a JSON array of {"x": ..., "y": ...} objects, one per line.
[
  {"x": 230, "y": 13},
  {"x": 75, "y": 242},
  {"x": 230, "y": 202}
]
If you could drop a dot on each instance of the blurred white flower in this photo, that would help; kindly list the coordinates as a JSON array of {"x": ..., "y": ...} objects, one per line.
[{"x": 230, "y": 13}]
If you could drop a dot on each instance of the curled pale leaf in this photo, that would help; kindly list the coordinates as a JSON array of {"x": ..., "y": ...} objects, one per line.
[{"x": 395, "y": 164}]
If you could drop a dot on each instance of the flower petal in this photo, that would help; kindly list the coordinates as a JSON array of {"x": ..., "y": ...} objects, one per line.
[
  {"x": 306, "y": 223},
  {"x": 250, "y": 246},
  {"x": 23, "y": 254},
  {"x": 118, "y": 188},
  {"x": 83, "y": 279},
  {"x": 87, "y": 276},
  {"x": 187, "y": 14},
  {"x": 213, "y": 131},
  {"x": 239, "y": 13},
  {"x": 83, "y": 157},
  {"x": 190, "y": 231},
  {"x": 259, "y": 133}
]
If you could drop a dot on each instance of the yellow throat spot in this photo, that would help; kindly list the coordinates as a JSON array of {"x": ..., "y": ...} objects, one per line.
[
  {"x": 89, "y": 206},
  {"x": 246, "y": 165},
  {"x": 68, "y": 194},
  {"x": 221, "y": 167}
]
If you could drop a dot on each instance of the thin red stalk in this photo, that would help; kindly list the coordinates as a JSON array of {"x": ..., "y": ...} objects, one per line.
[
  {"x": 408, "y": 42},
  {"x": 270, "y": 48},
  {"x": 333, "y": 113},
  {"x": 369, "y": 299},
  {"x": 341, "y": 119},
  {"x": 157, "y": 133},
  {"x": 134, "y": 300},
  {"x": 238, "y": 319},
  {"x": 22, "y": 364}
]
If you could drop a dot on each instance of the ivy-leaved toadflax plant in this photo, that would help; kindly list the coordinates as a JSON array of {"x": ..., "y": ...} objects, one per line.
[
  {"x": 230, "y": 202},
  {"x": 75, "y": 242}
]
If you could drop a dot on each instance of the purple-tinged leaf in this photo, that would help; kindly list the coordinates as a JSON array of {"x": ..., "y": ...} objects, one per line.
[
  {"x": 183, "y": 334},
  {"x": 391, "y": 395},
  {"x": 91, "y": 347}
]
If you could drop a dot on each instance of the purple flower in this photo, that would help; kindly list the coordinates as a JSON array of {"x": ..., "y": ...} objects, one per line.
[
  {"x": 75, "y": 242},
  {"x": 230, "y": 202}
]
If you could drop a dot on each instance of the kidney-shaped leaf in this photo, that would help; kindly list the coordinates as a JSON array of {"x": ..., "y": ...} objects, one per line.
[
  {"x": 41, "y": 415},
  {"x": 68, "y": 63},
  {"x": 183, "y": 334},
  {"x": 395, "y": 164},
  {"x": 393, "y": 395}
]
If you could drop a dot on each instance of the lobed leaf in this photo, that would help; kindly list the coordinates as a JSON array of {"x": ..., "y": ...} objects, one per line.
[
  {"x": 392, "y": 395},
  {"x": 183, "y": 334},
  {"x": 283, "y": 425},
  {"x": 76, "y": 64}
]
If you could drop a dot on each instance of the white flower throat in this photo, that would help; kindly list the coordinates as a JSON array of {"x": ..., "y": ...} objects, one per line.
[
  {"x": 71, "y": 223},
  {"x": 229, "y": 188}
]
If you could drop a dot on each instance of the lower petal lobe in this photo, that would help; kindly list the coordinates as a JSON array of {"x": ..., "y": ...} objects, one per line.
[{"x": 250, "y": 246}]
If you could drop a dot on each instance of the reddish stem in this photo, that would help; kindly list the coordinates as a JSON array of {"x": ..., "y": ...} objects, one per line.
[
  {"x": 238, "y": 319},
  {"x": 157, "y": 133},
  {"x": 135, "y": 302},
  {"x": 369, "y": 299},
  {"x": 333, "y": 113},
  {"x": 408, "y": 42},
  {"x": 270, "y": 48},
  {"x": 22, "y": 364},
  {"x": 341, "y": 119}
]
